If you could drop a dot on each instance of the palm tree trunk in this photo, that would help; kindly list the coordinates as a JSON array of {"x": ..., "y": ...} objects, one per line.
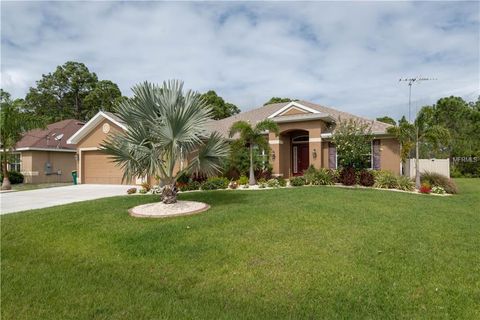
[
  {"x": 169, "y": 194},
  {"x": 6, "y": 181},
  {"x": 252, "y": 174}
]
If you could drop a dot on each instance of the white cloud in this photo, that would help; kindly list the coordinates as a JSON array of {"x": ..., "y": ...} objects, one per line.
[{"x": 346, "y": 55}]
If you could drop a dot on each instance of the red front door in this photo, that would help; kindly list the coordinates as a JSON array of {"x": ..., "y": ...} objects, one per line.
[{"x": 300, "y": 161}]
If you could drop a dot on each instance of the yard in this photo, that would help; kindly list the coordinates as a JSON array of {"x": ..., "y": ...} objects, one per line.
[{"x": 311, "y": 252}]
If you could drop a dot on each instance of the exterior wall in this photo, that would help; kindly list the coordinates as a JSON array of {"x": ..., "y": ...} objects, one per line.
[
  {"x": 324, "y": 154},
  {"x": 62, "y": 165},
  {"x": 390, "y": 155},
  {"x": 281, "y": 145},
  {"x": 91, "y": 142},
  {"x": 97, "y": 136}
]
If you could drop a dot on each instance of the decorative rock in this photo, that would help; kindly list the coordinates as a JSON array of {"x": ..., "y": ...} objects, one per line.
[{"x": 162, "y": 210}]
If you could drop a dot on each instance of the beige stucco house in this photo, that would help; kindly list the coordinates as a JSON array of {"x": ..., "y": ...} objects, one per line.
[
  {"x": 305, "y": 139},
  {"x": 43, "y": 155}
]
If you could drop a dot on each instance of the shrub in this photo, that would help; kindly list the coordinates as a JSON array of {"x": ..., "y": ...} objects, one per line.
[
  {"x": 146, "y": 186},
  {"x": 297, "y": 181},
  {"x": 385, "y": 179},
  {"x": 348, "y": 176},
  {"x": 142, "y": 191},
  {"x": 309, "y": 174},
  {"x": 233, "y": 185},
  {"x": 436, "y": 179},
  {"x": 183, "y": 178},
  {"x": 425, "y": 188},
  {"x": 192, "y": 185},
  {"x": 132, "y": 191},
  {"x": 262, "y": 183},
  {"x": 273, "y": 183},
  {"x": 15, "y": 177},
  {"x": 438, "y": 190},
  {"x": 366, "y": 178},
  {"x": 265, "y": 173},
  {"x": 323, "y": 177},
  {"x": 242, "y": 180},
  {"x": 215, "y": 183},
  {"x": 281, "y": 181},
  {"x": 334, "y": 175},
  {"x": 405, "y": 183},
  {"x": 198, "y": 177}
]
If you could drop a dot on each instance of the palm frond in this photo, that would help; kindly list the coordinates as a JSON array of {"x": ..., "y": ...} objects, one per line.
[
  {"x": 164, "y": 125},
  {"x": 267, "y": 125}
]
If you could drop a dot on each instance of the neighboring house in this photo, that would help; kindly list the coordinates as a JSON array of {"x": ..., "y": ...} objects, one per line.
[
  {"x": 43, "y": 155},
  {"x": 94, "y": 166},
  {"x": 305, "y": 139}
]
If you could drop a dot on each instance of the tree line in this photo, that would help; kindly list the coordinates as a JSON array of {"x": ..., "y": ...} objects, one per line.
[
  {"x": 73, "y": 91},
  {"x": 450, "y": 128}
]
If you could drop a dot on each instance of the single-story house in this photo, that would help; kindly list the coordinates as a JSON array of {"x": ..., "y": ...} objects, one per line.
[
  {"x": 305, "y": 139},
  {"x": 43, "y": 155}
]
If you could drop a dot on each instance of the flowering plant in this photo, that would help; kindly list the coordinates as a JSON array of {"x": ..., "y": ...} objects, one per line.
[
  {"x": 425, "y": 188},
  {"x": 438, "y": 190}
]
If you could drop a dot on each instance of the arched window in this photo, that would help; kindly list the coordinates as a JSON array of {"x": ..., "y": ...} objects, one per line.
[{"x": 303, "y": 138}]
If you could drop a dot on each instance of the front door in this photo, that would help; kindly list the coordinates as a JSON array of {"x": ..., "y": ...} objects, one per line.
[{"x": 300, "y": 159}]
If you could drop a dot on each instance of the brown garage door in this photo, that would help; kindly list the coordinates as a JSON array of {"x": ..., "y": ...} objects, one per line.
[{"x": 97, "y": 168}]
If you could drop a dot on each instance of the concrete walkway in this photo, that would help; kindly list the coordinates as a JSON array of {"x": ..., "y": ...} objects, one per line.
[{"x": 43, "y": 198}]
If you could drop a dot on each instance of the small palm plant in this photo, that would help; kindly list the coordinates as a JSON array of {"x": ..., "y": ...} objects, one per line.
[
  {"x": 253, "y": 136},
  {"x": 164, "y": 126}
]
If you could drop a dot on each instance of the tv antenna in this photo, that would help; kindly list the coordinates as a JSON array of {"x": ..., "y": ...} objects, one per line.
[{"x": 411, "y": 81}]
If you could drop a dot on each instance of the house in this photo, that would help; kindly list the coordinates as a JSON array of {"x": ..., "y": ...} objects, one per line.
[
  {"x": 305, "y": 139},
  {"x": 43, "y": 155},
  {"x": 94, "y": 166}
]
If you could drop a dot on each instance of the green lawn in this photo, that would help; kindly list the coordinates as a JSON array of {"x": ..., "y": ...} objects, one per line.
[{"x": 304, "y": 253}]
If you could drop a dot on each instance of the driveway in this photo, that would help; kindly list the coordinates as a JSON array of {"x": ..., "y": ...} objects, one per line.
[{"x": 43, "y": 198}]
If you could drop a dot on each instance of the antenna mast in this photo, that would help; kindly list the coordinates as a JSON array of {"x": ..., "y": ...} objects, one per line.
[{"x": 410, "y": 82}]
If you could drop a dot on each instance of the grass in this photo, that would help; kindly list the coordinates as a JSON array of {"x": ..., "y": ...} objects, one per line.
[
  {"x": 33, "y": 186},
  {"x": 304, "y": 253}
]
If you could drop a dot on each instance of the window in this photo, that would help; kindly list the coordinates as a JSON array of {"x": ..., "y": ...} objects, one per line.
[
  {"x": 303, "y": 138},
  {"x": 367, "y": 161},
  {"x": 14, "y": 162}
]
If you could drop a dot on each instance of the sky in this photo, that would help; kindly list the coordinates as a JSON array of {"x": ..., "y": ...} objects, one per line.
[{"x": 346, "y": 55}]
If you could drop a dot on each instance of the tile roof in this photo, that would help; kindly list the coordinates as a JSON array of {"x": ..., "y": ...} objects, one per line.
[
  {"x": 255, "y": 115},
  {"x": 45, "y": 138}
]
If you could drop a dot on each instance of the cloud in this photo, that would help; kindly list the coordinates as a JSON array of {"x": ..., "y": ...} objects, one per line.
[{"x": 345, "y": 55}]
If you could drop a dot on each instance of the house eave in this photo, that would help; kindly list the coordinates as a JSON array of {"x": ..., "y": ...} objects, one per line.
[
  {"x": 43, "y": 149},
  {"x": 301, "y": 118},
  {"x": 90, "y": 125}
]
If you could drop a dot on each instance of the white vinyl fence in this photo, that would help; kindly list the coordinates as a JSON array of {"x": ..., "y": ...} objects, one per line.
[{"x": 441, "y": 166}]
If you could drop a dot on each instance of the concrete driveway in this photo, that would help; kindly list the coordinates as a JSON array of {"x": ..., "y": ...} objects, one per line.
[{"x": 43, "y": 198}]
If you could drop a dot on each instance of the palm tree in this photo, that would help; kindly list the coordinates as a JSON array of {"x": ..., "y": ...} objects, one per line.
[
  {"x": 13, "y": 124},
  {"x": 253, "y": 136},
  {"x": 164, "y": 126},
  {"x": 412, "y": 135}
]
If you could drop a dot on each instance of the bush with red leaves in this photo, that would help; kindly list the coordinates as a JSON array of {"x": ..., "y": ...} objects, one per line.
[
  {"x": 425, "y": 188},
  {"x": 348, "y": 176},
  {"x": 366, "y": 178}
]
